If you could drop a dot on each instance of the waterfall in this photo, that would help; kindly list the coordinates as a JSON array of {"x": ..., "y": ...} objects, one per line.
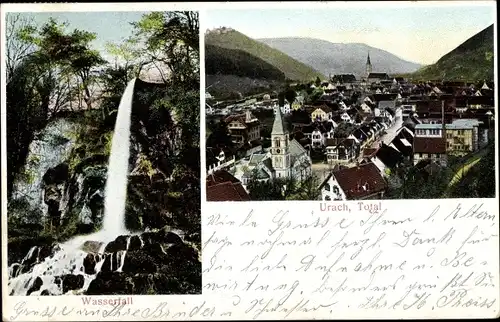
[
  {"x": 69, "y": 257},
  {"x": 116, "y": 183}
]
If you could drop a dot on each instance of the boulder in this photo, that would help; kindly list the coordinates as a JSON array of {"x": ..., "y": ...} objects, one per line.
[
  {"x": 90, "y": 262},
  {"x": 91, "y": 246},
  {"x": 135, "y": 243},
  {"x": 72, "y": 282},
  {"x": 111, "y": 283},
  {"x": 120, "y": 243},
  {"x": 15, "y": 269},
  {"x": 139, "y": 262},
  {"x": 35, "y": 286}
]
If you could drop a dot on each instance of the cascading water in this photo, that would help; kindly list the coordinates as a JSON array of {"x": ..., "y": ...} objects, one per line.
[
  {"x": 116, "y": 183},
  {"x": 47, "y": 276}
]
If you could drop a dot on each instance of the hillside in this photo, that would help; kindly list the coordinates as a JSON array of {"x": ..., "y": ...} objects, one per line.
[
  {"x": 232, "y": 39},
  {"x": 339, "y": 58},
  {"x": 225, "y": 61},
  {"x": 471, "y": 61}
]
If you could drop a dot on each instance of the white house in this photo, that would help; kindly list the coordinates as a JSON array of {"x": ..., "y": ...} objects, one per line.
[
  {"x": 317, "y": 139},
  {"x": 366, "y": 108},
  {"x": 346, "y": 118}
]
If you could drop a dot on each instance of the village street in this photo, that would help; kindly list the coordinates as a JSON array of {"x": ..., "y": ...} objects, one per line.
[{"x": 393, "y": 130}]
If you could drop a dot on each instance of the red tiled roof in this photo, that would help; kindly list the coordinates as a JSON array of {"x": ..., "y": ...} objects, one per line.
[
  {"x": 220, "y": 176},
  {"x": 360, "y": 181},
  {"x": 227, "y": 191},
  {"x": 240, "y": 118},
  {"x": 429, "y": 145}
]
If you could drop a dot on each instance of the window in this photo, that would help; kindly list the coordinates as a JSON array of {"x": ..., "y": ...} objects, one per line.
[
  {"x": 327, "y": 198},
  {"x": 327, "y": 187},
  {"x": 277, "y": 142}
]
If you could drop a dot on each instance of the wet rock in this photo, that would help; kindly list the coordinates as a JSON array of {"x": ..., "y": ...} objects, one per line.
[
  {"x": 35, "y": 286},
  {"x": 30, "y": 257},
  {"x": 139, "y": 262},
  {"x": 72, "y": 282},
  {"x": 120, "y": 243},
  {"x": 135, "y": 243},
  {"x": 172, "y": 238},
  {"x": 56, "y": 175},
  {"x": 90, "y": 262},
  {"x": 111, "y": 283},
  {"x": 108, "y": 262},
  {"x": 15, "y": 269},
  {"x": 151, "y": 237},
  {"x": 46, "y": 251},
  {"x": 91, "y": 246}
]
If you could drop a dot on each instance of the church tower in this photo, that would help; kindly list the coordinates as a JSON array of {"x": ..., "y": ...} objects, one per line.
[
  {"x": 280, "y": 147},
  {"x": 368, "y": 65}
]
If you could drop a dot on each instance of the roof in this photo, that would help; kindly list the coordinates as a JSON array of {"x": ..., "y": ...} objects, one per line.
[
  {"x": 389, "y": 156},
  {"x": 344, "y": 78},
  {"x": 220, "y": 176},
  {"x": 242, "y": 119},
  {"x": 223, "y": 186},
  {"x": 227, "y": 192},
  {"x": 378, "y": 75},
  {"x": 429, "y": 145},
  {"x": 385, "y": 104},
  {"x": 360, "y": 181}
]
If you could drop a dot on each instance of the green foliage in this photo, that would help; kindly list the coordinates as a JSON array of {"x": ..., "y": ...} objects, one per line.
[
  {"x": 227, "y": 61},
  {"x": 235, "y": 40},
  {"x": 284, "y": 189},
  {"x": 473, "y": 183},
  {"x": 344, "y": 130},
  {"x": 418, "y": 182}
]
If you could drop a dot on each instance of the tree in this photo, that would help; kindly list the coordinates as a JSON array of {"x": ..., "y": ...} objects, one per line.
[
  {"x": 284, "y": 188},
  {"x": 344, "y": 130},
  {"x": 16, "y": 46},
  {"x": 171, "y": 39},
  {"x": 318, "y": 81}
]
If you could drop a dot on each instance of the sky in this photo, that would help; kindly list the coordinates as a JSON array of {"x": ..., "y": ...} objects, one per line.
[
  {"x": 417, "y": 34},
  {"x": 109, "y": 26}
]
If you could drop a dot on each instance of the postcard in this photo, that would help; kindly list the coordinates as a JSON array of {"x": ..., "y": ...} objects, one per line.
[{"x": 249, "y": 161}]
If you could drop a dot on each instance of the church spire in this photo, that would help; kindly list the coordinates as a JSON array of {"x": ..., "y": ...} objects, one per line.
[
  {"x": 278, "y": 128},
  {"x": 368, "y": 65}
]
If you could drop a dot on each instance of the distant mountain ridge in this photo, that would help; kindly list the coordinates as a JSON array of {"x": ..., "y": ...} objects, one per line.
[
  {"x": 473, "y": 60},
  {"x": 233, "y": 40},
  {"x": 340, "y": 58}
]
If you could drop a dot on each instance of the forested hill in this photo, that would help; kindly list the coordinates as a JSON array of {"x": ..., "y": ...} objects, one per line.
[
  {"x": 232, "y": 39},
  {"x": 473, "y": 60},
  {"x": 226, "y": 61}
]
